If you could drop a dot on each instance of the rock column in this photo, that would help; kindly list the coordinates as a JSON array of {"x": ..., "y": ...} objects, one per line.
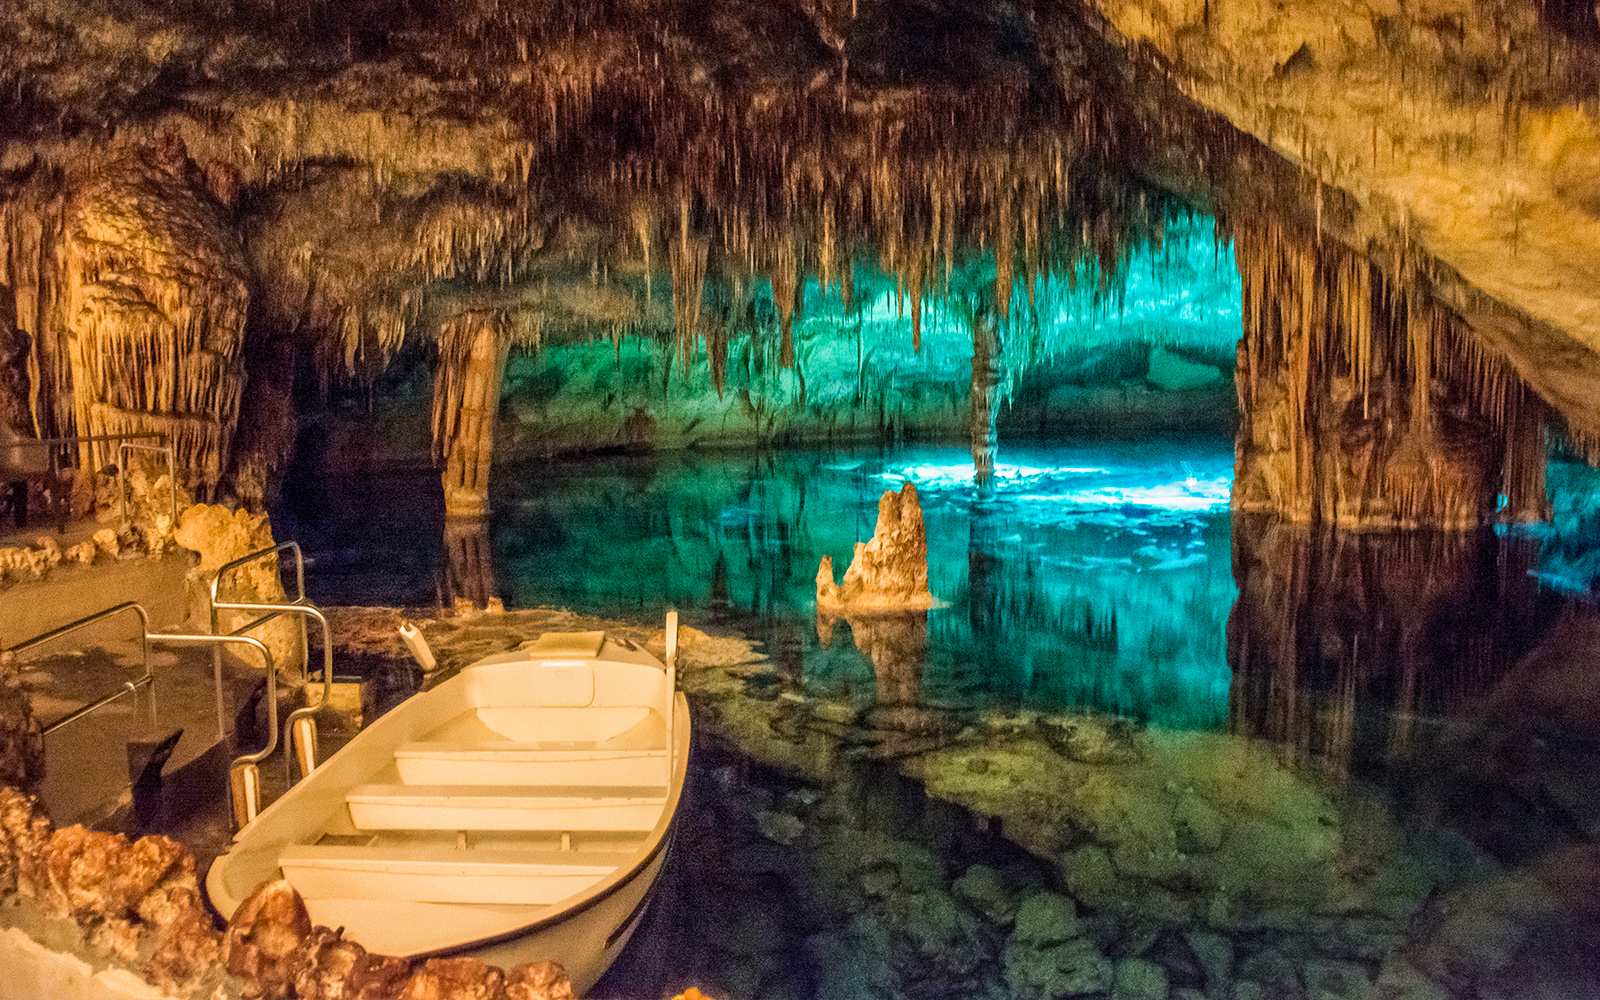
[
  {"x": 466, "y": 396},
  {"x": 985, "y": 394}
]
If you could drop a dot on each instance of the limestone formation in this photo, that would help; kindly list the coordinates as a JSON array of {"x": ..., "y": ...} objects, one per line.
[
  {"x": 544, "y": 196},
  {"x": 466, "y": 400},
  {"x": 1365, "y": 407},
  {"x": 891, "y": 571},
  {"x": 138, "y": 902},
  {"x": 454, "y": 979},
  {"x": 538, "y": 981},
  {"x": 220, "y": 536},
  {"x": 21, "y": 736},
  {"x": 330, "y": 966},
  {"x": 156, "y": 292},
  {"x": 265, "y": 938}
]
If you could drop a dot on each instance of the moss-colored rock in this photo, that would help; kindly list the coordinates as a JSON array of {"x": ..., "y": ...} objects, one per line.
[
  {"x": 1072, "y": 968},
  {"x": 981, "y": 888},
  {"x": 1045, "y": 918},
  {"x": 1199, "y": 826},
  {"x": 1138, "y": 979},
  {"x": 1090, "y": 875}
]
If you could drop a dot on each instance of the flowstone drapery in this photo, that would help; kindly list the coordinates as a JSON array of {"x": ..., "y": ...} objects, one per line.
[{"x": 1363, "y": 401}]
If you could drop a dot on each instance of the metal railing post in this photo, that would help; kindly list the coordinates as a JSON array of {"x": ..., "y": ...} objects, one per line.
[
  {"x": 244, "y": 786},
  {"x": 300, "y": 729}
]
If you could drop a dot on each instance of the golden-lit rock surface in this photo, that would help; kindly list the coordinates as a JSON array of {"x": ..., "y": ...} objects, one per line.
[
  {"x": 155, "y": 303},
  {"x": 137, "y": 902},
  {"x": 384, "y": 173},
  {"x": 222, "y": 535},
  {"x": 1465, "y": 131},
  {"x": 890, "y": 572},
  {"x": 331, "y": 968},
  {"x": 21, "y": 735},
  {"x": 264, "y": 939}
]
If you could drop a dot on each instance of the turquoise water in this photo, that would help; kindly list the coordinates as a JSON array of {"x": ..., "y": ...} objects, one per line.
[
  {"x": 1086, "y": 576},
  {"x": 1175, "y": 753}
]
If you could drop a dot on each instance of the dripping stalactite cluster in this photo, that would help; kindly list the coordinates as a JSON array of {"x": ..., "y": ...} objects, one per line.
[
  {"x": 1365, "y": 403},
  {"x": 543, "y": 166}
]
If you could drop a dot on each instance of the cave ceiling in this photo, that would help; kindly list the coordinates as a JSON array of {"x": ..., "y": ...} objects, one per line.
[{"x": 572, "y": 168}]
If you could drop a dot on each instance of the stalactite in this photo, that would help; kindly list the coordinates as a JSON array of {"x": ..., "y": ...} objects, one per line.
[
  {"x": 156, "y": 321},
  {"x": 1322, "y": 326},
  {"x": 785, "y": 279},
  {"x": 688, "y": 285},
  {"x": 1004, "y": 258}
]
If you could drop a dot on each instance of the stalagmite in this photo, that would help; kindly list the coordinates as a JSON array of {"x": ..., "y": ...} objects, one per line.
[
  {"x": 891, "y": 571},
  {"x": 466, "y": 398}
]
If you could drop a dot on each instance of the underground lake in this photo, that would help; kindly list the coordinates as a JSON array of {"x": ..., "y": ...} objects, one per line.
[{"x": 1141, "y": 746}]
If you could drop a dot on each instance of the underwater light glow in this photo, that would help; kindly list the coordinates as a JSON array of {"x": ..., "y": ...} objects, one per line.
[
  {"x": 1188, "y": 494},
  {"x": 961, "y": 474},
  {"x": 1063, "y": 486}
]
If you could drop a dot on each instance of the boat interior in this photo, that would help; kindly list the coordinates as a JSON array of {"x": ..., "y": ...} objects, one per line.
[{"x": 530, "y": 778}]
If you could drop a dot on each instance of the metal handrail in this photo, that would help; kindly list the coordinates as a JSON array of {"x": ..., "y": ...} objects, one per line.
[
  {"x": 299, "y": 607},
  {"x": 129, "y": 687},
  {"x": 243, "y": 812},
  {"x": 123, "y": 445}
]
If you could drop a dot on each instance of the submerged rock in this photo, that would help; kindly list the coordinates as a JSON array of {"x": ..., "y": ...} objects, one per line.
[
  {"x": 1071, "y": 968},
  {"x": 981, "y": 888},
  {"x": 1138, "y": 979},
  {"x": 1045, "y": 918}
]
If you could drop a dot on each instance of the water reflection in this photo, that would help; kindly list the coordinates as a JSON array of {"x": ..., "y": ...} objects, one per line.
[
  {"x": 469, "y": 563},
  {"x": 895, "y": 641},
  {"x": 1084, "y": 575},
  {"x": 1094, "y": 575},
  {"x": 1340, "y": 642},
  {"x": 1359, "y": 753}
]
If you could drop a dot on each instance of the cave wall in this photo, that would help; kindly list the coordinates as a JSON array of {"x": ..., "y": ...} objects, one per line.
[
  {"x": 1365, "y": 404},
  {"x": 645, "y": 171}
]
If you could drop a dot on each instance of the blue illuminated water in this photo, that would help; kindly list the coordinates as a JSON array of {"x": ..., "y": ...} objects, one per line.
[
  {"x": 1093, "y": 574},
  {"x": 1429, "y": 694}
]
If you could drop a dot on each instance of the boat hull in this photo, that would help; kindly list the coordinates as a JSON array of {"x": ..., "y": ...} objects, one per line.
[{"x": 584, "y": 932}]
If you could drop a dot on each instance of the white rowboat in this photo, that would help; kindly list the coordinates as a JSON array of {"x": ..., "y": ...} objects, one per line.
[{"x": 520, "y": 811}]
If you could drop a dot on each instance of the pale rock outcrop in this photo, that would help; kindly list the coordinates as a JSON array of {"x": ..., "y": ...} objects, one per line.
[
  {"x": 220, "y": 536},
  {"x": 139, "y": 901},
  {"x": 107, "y": 541},
  {"x": 273, "y": 950},
  {"x": 891, "y": 571},
  {"x": 156, "y": 289}
]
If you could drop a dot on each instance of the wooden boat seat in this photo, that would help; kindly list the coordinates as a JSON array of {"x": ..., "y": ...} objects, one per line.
[
  {"x": 507, "y": 807},
  {"x": 612, "y": 726},
  {"x": 514, "y": 762},
  {"x": 445, "y": 874}
]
